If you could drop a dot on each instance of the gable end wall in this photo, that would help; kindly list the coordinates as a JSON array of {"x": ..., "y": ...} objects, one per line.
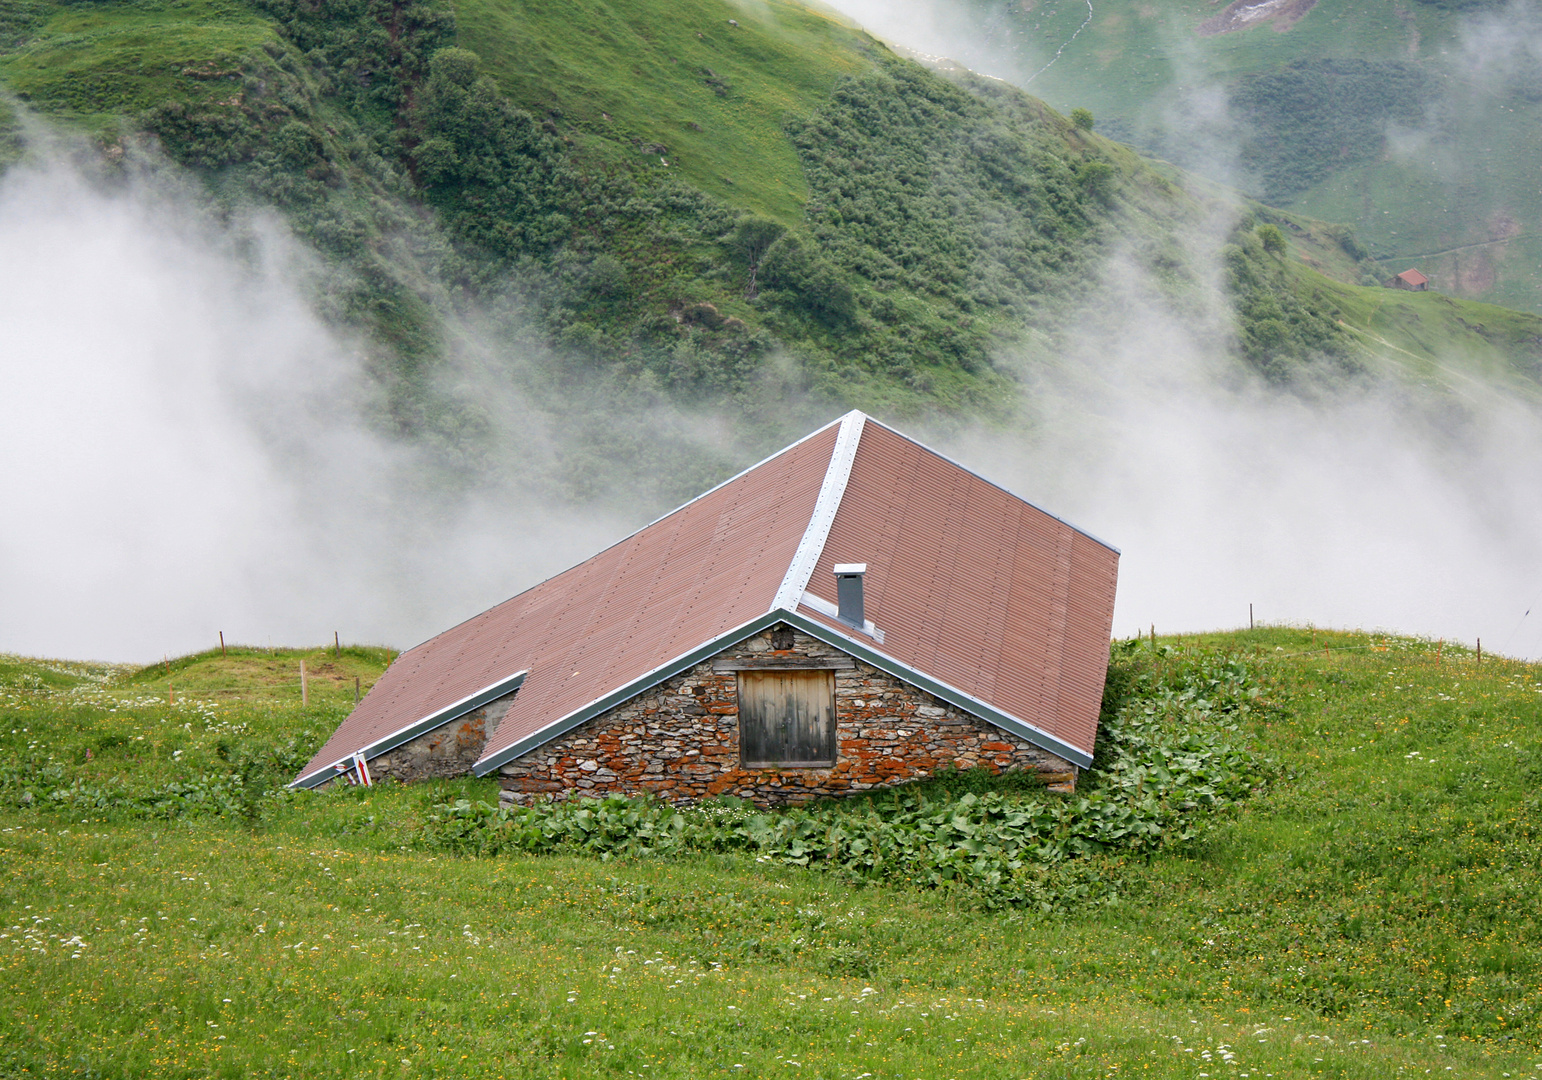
[
  {"x": 448, "y": 750},
  {"x": 680, "y": 740}
]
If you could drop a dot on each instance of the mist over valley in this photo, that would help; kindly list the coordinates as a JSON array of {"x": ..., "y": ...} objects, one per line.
[{"x": 320, "y": 333}]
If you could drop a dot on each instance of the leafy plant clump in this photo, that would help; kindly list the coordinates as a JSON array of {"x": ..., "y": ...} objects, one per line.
[
  {"x": 1171, "y": 754},
  {"x": 241, "y": 791}
]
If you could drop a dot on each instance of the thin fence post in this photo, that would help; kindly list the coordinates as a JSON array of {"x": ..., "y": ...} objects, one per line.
[
  {"x": 305, "y": 690},
  {"x": 222, "y": 643},
  {"x": 337, "y": 646},
  {"x": 1250, "y": 616},
  {"x": 1480, "y": 650}
]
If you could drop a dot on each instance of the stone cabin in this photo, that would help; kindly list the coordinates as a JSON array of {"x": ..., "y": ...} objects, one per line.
[
  {"x": 1411, "y": 280},
  {"x": 854, "y": 612}
]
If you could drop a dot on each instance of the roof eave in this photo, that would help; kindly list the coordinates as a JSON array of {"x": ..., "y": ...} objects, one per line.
[{"x": 937, "y": 688}]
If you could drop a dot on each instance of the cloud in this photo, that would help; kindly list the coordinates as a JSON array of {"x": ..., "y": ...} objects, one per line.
[
  {"x": 1385, "y": 506},
  {"x": 186, "y": 449},
  {"x": 1500, "y": 50}
]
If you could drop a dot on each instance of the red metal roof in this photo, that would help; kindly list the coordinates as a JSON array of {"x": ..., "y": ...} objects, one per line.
[
  {"x": 973, "y": 589},
  {"x": 687, "y": 578},
  {"x": 1413, "y": 277}
]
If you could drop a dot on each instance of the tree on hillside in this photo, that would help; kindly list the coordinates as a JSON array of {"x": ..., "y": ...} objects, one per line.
[{"x": 751, "y": 239}]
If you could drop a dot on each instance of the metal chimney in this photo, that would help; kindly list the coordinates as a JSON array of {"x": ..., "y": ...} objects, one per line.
[{"x": 848, "y": 593}]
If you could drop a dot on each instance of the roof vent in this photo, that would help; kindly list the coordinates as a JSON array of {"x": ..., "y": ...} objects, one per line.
[{"x": 848, "y": 592}]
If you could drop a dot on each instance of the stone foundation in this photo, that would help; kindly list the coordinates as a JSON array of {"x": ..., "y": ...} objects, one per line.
[{"x": 680, "y": 740}]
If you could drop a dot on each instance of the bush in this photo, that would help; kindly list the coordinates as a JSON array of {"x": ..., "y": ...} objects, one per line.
[
  {"x": 811, "y": 284},
  {"x": 1272, "y": 239},
  {"x": 1082, "y": 119}
]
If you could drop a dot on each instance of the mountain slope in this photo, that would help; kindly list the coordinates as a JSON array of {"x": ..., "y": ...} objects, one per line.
[
  {"x": 1415, "y": 123},
  {"x": 759, "y": 207}
]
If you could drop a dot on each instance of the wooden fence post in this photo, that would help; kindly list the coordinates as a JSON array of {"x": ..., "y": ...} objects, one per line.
[{"x": 305, "y": 690}]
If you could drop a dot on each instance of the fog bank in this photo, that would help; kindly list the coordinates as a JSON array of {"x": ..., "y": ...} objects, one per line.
[
  {"x": 187, "y": 451},
  {"x": 1382, "y": 506}
]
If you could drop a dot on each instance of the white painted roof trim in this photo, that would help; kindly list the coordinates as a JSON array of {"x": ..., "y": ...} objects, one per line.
[{"x": 812, "y": 545}]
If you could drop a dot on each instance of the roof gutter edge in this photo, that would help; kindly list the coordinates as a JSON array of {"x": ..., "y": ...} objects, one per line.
[
  {"x": 626, "y": 693},
  {"x": 972, "y": 705},
  {"x": 454, "y": 711}
]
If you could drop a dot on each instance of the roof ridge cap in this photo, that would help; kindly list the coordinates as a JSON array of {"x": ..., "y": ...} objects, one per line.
[{"x": 812, "y": 544}]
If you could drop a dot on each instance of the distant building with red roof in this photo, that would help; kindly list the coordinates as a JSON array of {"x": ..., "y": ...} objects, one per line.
[
  {"x": 1411, "y": 280},
  {"x": 853, "y": 612}
]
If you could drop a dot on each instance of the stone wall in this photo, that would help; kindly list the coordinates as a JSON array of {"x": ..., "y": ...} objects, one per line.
[
  {"x": 680, "y": 740},
  {"x": 449, "y": 750}
]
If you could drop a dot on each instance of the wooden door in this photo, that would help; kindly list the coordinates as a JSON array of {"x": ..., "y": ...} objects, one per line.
[{"x": 787, "y": 718}]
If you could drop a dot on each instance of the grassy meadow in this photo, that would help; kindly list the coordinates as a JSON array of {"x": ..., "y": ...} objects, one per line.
[{"x": 1371, "y": 911}]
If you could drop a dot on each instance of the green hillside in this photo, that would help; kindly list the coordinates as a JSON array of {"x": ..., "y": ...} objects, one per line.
[
  {"x": 753, "y": 208},
  {"x": 1313, "y": 96},
  {"x": 1364, "y": 905},
  {"x": 708, "y": 97}
]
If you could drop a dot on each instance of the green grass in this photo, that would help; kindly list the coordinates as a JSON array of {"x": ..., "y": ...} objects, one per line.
[
  {"x": 1460, "y": 346},
  {"x": 94, "y": 63},
  {"x": 645, "y": 67},
  {"x": 1373, "y": 911}
]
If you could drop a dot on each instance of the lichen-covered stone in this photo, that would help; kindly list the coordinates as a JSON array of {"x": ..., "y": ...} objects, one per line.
[{"x": 680, "y": 740}]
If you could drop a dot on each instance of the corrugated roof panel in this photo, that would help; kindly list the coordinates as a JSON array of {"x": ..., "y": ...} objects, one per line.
[
  {"x": 650, "y": 613},
  {"x": 1094, "y": 573}
]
